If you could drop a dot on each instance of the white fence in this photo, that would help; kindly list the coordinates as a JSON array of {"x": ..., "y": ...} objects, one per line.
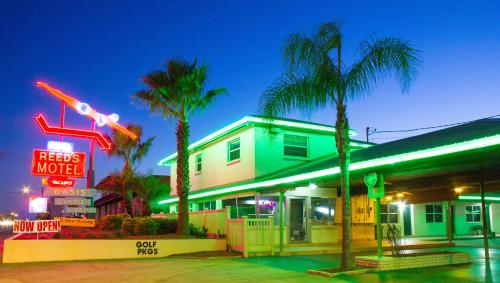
[
  {"x": 242, "y": 234},
  {"x": 213, "y": 220},
  {"x": 251, "y": 235}
]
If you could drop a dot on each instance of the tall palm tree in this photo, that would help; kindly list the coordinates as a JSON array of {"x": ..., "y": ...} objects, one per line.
[
  {"x": 177, "y": 93},
  {"x": 132, "y": 152},
  {"x": 315, "y": 79}
]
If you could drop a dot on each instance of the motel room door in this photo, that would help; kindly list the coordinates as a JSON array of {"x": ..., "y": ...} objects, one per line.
[
  {"x": 298, "y": 220},
  {"x": 407, "y": 220}
]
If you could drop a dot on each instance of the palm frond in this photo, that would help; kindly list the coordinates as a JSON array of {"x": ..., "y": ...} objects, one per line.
[
  {"x": 142, "y": 150},
  {"x": 379, "y": 58},
  {"x": 328, "y": 36},
  {"x": 289, "y": 93}
]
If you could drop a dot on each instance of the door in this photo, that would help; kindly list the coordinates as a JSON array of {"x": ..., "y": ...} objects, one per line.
[
  {"x": 407, "y": 220},
  {"x": 298, "y": 221}
]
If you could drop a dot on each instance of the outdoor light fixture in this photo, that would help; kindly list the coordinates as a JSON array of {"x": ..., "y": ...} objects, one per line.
[
  {"x": 389, "y": 198},
  {"x": 458, "y": 190},
  {"x": 400, "y": 195},
  {"x": 312, "y": 186}
]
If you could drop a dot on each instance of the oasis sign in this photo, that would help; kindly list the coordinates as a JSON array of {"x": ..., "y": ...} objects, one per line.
[{"x": 55, "y": 163}]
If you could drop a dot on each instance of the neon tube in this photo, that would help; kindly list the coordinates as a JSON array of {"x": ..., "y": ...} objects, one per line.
[
  {"x": 421, "y": 154},
  {"x": 103, "y": 142},
  {"x": 478, "y": 198},
  {"x": 85, "y": 110}
]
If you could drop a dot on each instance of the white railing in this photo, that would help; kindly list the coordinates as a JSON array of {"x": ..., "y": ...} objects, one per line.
[
  {"x": 213, "y": 220},
  {"x": 251, "y": 235}
]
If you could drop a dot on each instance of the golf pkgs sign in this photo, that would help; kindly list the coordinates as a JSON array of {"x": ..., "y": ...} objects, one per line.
[
  {"x": 37, "y": 226},
  {"x": 72, "y": 201},
  {"x": 77, "y": 222},
  {"x": 54, "y": 163},
  {"x": 370, "y": 182},
  {"x": 69, "y": 192},
  {"x": 75, "y": 209}
]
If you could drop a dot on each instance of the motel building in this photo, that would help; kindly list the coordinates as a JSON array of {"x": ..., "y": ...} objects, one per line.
[{"x": 285, "y": 173}]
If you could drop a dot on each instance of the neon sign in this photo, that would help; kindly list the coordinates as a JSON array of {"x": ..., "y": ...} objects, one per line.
[
  {"x": 103, "y": 142},
  {"x": 52, "y": 163},
  {"x": 85, "y": 110},
  {"x": 60, "y": 182}
]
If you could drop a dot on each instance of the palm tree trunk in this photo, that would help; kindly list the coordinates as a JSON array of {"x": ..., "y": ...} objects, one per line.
[
  {"x": 182, "y": 134},
  {"x": 342, "y": 139},
  {"x": 123, "y": 205}
]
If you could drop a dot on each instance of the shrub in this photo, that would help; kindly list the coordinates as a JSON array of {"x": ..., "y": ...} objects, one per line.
[
  {"x": 91, "y": 236},
  {"x": 112, "y": 222},
  {"x": 128, "y": 225},
  {"x": 166, "y": 226},
  {"x": 56, "y": 235},
  {"x": 119, "y": 235},
  {"x": 197, "y": 231},
  {"x": 106, "y": 236},
  {"x": 146, "y": 226},
  {"x": 75, "y": 236}
]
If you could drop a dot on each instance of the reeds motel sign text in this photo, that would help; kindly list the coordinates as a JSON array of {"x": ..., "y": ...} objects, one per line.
[{"x": 53, "y": 163}]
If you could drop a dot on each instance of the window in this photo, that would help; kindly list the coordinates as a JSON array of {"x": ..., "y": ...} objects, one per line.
[
  {"x": 295, "y": 146},
  {"x": 198, "y": 163},
  {"x": 433, "y": 213},
  {"x": 323, "y": 210},
  {"x": 233, "y": 150},
  {"x": 473, "y": 213},
  {"x": 393, "y": 213},
  {"x": 209, "y": 205}
]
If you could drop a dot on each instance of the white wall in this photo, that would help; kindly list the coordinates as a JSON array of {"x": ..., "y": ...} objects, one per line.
[
  {"x": 423, "y": 229},
  {"x": 495, "y": 217},
  {"x": 216, "y": 171},
  {"x": 269, "y": 148},
  {"x": 462, "y": 227}
]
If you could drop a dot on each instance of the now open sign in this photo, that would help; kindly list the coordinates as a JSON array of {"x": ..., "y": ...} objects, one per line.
[{"x": 37, "y": 226}]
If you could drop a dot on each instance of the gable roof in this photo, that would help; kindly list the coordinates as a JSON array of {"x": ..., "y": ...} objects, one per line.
[
  {"x": 475, "y": 135},
  {"x": 260, "y": 120}
]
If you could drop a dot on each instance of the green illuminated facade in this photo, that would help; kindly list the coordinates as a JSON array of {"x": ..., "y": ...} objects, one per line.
[{"x": 247, "y": 163}]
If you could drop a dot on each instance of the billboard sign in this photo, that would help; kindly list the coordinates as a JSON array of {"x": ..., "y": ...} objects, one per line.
[
  {"x": 77, "y": 222},
  {"x": 37, "y": 205},
  {"x": 55, "y": 163}
]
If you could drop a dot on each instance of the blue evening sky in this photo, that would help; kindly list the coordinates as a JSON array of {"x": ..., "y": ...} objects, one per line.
[{"x": 98, "y": 51}]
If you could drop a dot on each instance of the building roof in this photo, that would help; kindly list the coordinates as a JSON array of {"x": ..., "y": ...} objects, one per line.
[
  {"x": 260, "y": 120},
  {"x": 438, "y": 144}
]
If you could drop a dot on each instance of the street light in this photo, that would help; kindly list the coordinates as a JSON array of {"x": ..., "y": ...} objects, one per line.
[{"x": 26, "y": 190}]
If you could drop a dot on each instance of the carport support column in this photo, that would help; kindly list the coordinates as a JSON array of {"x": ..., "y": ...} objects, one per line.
[
  {"x": 282, "y": 223},
  {"x": 378, "y": 217},
  {"x": 448, "y": 218},
  {"x": 485, "y": 223}
]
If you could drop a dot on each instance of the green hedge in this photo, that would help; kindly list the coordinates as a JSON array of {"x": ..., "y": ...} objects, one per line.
[
  {"x": 166, "y": 226},
  {"x": 113, "y": 222},
  {"x": 128, "y": 226},
  {"x": 146, "y": 226}
]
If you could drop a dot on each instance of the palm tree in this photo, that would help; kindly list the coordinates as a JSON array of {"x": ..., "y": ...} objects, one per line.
[
  {"x": 132, "y": 152},
  {"x": 315, "y": 79},
  {"x": 151, "y": 189},
  {"x": 178, "y": 93}
]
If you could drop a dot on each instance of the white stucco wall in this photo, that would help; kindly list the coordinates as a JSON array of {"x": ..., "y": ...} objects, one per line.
[
  {"x": 423, "y": 229},
  {"x": 216, "y": 171},
  {"x": 495, "y": 217},
  {"x": 269, "y": 148},
  {"x": 462, "y": 227}
]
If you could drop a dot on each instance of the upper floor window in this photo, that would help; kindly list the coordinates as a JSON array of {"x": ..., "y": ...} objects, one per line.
[
  {"x": 433, "y": 213},
  {"x": 233, "y": 150},
  {"x": 391, "y": 210},
  {"x": 295, "y": 146},
  {"x": 473, "y": 213},
  {"x": 198, "y": 160}
]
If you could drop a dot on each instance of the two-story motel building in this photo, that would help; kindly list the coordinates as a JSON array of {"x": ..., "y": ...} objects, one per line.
[{"x": 431, "y": 180}]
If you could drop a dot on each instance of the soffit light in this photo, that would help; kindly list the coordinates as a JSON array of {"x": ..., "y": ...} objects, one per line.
[{"x": 389, "y": 160}]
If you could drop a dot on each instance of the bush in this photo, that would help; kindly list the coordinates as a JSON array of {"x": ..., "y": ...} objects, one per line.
[
  {"x": 112, "y": 222},
  {"x": 75, "y": 236},
  {"x": 128, "y": 226},
  {"x": 56, "y": 235},
  {"x": 146, "y": 226},
  {"x": 197, "y": 231},
  {"x": 166, "y": 226},
  {"x": 91, "y": 236},
  {"x": 119, "y": 235}
]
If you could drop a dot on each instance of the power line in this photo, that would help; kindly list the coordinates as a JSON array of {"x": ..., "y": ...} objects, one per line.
[{"x": 375, "y": 131}]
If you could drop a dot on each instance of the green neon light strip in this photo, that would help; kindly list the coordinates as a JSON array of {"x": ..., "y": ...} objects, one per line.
[
  {"x": 421, "y": 154},
  {"x": 251, "y": 119},
  {"x": 478, "y": 198}
]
